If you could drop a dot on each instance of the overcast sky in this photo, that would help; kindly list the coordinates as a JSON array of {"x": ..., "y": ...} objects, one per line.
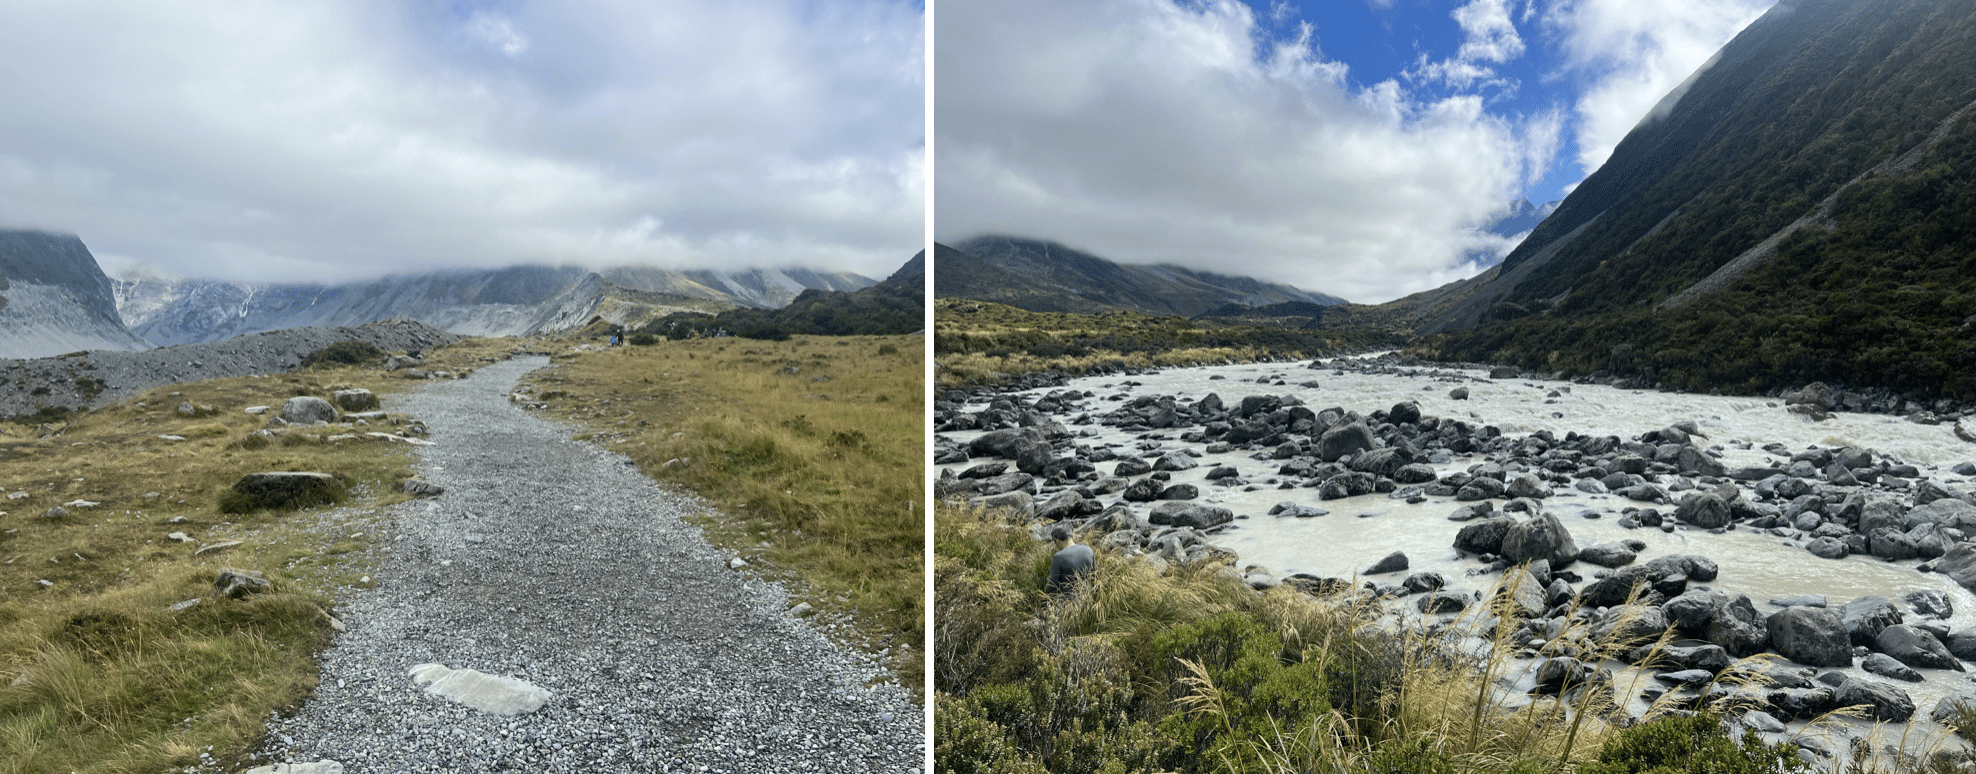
[
  {"x": 1346, "y": 146},
  {"x": 327, "y": 140}
]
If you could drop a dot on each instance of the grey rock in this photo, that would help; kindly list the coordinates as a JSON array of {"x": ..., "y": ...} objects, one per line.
[
  {"x": 1916, "y": 648},
  {"x": 1540, "y": 537},
  {"x": 1887, "y": 666},
  {"x": 305, "y": 409},
  {"x": 1883, "y": 701},
  {"x": 1811, "y": 636},
  {"x": 1394, "y": 562}
]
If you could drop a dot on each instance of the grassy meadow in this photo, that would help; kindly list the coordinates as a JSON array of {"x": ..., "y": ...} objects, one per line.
[
  {"x": 1194, "y": 671},
  {"x": 97, "y": 672},
  {"x": 985, "y": 343},
  {"x": 811, "y": 449}
]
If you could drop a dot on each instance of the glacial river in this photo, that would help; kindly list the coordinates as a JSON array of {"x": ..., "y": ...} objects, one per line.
[{"x": 1361, "y": 530}]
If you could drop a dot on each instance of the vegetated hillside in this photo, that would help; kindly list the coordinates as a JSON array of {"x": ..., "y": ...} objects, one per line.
[
  {"x": 1803, "y": 208},
  {"x": 894, "y": 306},
  {"x": 55, "y": 299},
  {"x": 1043, "y": 276}
]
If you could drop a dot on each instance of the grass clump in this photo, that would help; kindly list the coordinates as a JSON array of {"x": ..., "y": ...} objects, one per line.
[
  {"x": 347, "y": 353},
  {"x": 812, "y": 446},
  {"x": 1191, "y": 670},
  {"x": 97, "y": 672}
]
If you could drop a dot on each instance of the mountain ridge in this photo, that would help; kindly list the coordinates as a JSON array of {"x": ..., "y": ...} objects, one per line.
[
  {"x": 1044, "y": 276},
  {"x": 55, "y": 299}
]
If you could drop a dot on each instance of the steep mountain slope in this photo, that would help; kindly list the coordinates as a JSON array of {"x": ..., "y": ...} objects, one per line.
[
  {"x": 517, "y": 300},
  {"x": 1803, "y": 207},
  {"x": 54, "y": 299},
  {"x": 895, "y": 305},
  {"x": 1045, "y": 276}
]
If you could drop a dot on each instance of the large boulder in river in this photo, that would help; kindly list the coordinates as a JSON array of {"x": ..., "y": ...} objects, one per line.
[
  {"x": 1342, "y": 440},
  {"x": 1811, "y": 636},
  {"x": 1959, "y": 564},
  {"x": 1185, "y": 514},
  {"x": 1883, "y": 700},
  {"x": 1916, "y": 648},
  {"x": 1005, "y": 442},
  {"x": 1738, "y": 628},
  {"x": 1867, "y": 616},
  {"x": 1703, "y": 511},
  {"x": 307, "y": 409},
  {"x": 1482, "y": 537},
  {"x": 1540, "y": 537}
]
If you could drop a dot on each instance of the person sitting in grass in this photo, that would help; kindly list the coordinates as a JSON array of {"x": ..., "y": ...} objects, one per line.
[{"x": 1071, "y": 562}]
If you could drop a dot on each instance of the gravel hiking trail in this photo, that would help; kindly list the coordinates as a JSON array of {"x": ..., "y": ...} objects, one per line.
[{"x": 558, "y": 563}]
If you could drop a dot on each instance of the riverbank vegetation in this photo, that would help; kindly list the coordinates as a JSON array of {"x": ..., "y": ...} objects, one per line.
[
  {"x": 1194, "y": 671},
  {"x": 979, "y": 342}
]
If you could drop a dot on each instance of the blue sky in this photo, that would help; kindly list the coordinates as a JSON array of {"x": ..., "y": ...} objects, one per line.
[
  {"x": 1348, "y": 146},
  {"x": 331, "y": 140}
]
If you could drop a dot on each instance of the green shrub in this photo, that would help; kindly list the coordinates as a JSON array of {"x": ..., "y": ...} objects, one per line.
[
  {"x": 344, "y": 353},
  {"x": 1696, "y": 744},
  {"x": 644, "y": 340}
]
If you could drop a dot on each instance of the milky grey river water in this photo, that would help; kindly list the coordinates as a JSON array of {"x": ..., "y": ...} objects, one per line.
[{"x": 1360, "y": 530}]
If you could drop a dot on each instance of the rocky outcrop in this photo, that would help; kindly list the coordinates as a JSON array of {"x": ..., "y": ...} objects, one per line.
[{"x": 54, "y": 299}]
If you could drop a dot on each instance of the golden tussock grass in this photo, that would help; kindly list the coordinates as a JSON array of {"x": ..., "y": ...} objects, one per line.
[
  {"x": 812, "y": 449},
  {"x": 97, "y": 674}
]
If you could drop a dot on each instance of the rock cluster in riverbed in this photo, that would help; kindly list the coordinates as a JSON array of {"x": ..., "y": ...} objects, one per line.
[{"x": 1033, "y": 457}]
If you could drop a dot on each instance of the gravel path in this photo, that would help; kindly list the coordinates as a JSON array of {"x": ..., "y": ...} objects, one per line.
[{"x": 557, "y": 563}]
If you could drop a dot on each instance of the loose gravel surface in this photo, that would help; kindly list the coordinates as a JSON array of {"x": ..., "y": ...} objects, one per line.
[{"x": 558, "y": 563}]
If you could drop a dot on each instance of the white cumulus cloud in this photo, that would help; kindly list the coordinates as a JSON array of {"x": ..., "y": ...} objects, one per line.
[
  {"x": 1631, "y": 54},
  {"x": 337, "y": 139},
  {"x": 1153, "y": 131}
]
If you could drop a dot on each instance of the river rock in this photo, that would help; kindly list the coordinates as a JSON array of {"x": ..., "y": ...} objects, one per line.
[
  {"x": 1175, "y": 461},
  {"x": 1691, "y": 611},
  {"x": 1952, "y": 707},
  {"x": 1708, "y": 657},
  {"x": 357, "y": 399},
  {"x": 1813, "y": 636},
  {"x": 1916, "y": 648},
  {"x": 1481, "y": 488},
  {"x": 1827, "y": 548},
  {"x": 1343, "y": 440},
  {"x": 1930, "y": 603},
  {"x": 1442, "y": 602},
  {"x": 1185, "y": 514},
  {"x": 1887, "y": 666},
  {"x": 1607, "y": 554},
  {"x": 1959, "y": 564},
  {"x": 1884, "y": 701},
  {"x": 1866, "y": 616},
  {"x": 1738, "y": 628},
  {"x": 1394, "y": 562},
  {"x": 1703, "y": 511},
  {"x": 1482, "y": 537},
  {"x": 1540, "y": 537},
  {"x": 1132, "y": 466}
]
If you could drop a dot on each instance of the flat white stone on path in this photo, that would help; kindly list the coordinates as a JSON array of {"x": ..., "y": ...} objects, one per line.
[
  {"x": 479, "y": 690},
  {"x": 324, "y": 766}
]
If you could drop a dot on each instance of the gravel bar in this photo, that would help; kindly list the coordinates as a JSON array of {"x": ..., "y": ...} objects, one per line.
[{"x": 558, "y": 563}]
